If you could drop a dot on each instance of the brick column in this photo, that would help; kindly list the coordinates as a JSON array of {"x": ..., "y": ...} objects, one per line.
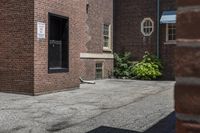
[{"x": 187, "y": 89}]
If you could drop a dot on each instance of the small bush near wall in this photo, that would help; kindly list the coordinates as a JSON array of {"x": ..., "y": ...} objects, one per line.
[
  {"x": 149, "y": 68},
  {"x": 123, "y": 65}
]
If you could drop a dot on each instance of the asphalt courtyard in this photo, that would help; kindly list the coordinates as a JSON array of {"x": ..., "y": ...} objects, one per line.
[{"x": 109, "y": 106}]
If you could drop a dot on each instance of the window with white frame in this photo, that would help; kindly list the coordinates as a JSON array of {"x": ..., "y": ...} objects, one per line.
[
  {"x": 99, "y": 70},
  {"x": 147, "y": 26},
  {"x": 107, "y": 36},
  {"x": 170, "y": 32}
]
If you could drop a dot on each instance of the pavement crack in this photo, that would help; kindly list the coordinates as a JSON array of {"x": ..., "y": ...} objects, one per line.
[
  {"x": 107, "y": 110},
  {"x": 18, "y": 128}
]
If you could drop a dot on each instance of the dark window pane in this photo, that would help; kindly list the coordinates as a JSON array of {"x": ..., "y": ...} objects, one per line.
[
  {"x": 145, "y": 30},
  {"x": 99, "y": 70},
  {"x": 151, "y": 29},
  {"x": 58, "y": 42},
  {"x": 174, "y": 31},
  {"x": 145, "y": 24},
  {"x": 170, "y": 31},
  {"x": 170, "y": 37},
  {"x": 148, "y": 23}
]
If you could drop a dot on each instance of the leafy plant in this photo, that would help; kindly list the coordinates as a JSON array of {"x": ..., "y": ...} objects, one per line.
[
  {"x": 123, "y": 65},
  {"x": 149, "y": 68}
]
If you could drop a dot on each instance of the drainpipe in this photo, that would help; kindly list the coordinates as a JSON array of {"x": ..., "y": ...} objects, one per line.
[{"x": 158, "y": 30}]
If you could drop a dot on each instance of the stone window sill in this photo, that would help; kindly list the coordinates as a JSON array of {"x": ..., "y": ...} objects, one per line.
[
  {"x": 58, "y": 70},
  {"x": 105, "y": 49},
  {"x": 170, "y": 43}
]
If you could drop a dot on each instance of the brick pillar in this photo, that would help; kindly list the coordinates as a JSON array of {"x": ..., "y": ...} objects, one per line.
[{"x": 187, "y": 89}]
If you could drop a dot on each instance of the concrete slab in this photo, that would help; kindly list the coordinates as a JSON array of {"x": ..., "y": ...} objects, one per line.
[{"x": 125, "y": 104}]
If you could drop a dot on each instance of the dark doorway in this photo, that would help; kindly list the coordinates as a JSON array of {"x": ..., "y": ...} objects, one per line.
[{"x": 58, "y": 43}]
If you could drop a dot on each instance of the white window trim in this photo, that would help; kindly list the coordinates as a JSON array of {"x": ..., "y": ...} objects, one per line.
[
  {"x": 142, "y": 26},
  {"x": 167, "y": 36},
  {"x": 96, "y": 56},
  {"x": 109, "y": 48}
]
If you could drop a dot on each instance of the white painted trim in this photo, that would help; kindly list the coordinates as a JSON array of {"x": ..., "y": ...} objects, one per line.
[
  {"x": 170, "y": 42},
  {"x": 142, "y": 26},
  {"x": 167, "y": 33},
  {"x": 96, "y": 56},
  {"x": 109, "y": 35},
  {"x": 107, "y": 49}
]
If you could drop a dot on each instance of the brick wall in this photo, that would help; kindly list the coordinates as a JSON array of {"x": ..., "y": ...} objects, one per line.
[
  {"x": 100, "y": 12},
  {"x": 127, "y": 30},
  {"x": 24, "y": 58},
  {"x": 88, "y": 71},
  {"x": 127, "y": 27},
  {"x": 187, "y": 89},
  {"x": 167, "y": 51},
  {"x": 76, "y": 11},
  {"x": 16, "y": 46}
]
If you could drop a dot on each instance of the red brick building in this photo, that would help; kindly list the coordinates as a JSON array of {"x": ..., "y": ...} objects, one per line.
[
  {"x": 97, "y": 55},
  {"x": 47, "y": 45},
  {"x": 139, "y": 28},
  {"x": 40, "y": 45}
]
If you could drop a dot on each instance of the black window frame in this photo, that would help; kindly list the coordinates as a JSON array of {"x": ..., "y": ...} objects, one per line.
[{"x": 64, "y": 69}]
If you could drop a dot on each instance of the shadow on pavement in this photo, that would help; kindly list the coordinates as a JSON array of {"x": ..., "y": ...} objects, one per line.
[
  {"x": 166, "y": 125},
  {"x": 111, "y": 130}
]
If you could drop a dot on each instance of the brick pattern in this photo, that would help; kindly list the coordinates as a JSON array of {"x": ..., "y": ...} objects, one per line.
[
  {"x": 188, "y": 3},
  {"x": 185, "y": 103},
  {"x": 99, "y": 12},
  {"x": 127, "y": 27},
  {"x": 187, "y": 127},
  {"x": 76, "y": 11},
  {"x": 127, "y": 31},
  {"x": 16, "y": 46},
  {"x": 24, "y": 58},
  {"x": 89, "y": 65},
  {"x": 187, "y": 67},
  {"x": 167, "y": 53}
]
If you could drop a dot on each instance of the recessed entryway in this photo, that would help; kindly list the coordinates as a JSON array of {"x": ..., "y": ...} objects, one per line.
[{"x": 58, "y": 43}]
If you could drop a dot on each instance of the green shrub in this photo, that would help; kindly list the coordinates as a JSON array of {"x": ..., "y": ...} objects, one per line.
[
  {"x": 149, "y": 68},
  {"x": 123, "y": 65}
]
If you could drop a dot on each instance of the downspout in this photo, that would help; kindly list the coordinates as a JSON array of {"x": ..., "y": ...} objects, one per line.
[{"x": 158, "y": 30}]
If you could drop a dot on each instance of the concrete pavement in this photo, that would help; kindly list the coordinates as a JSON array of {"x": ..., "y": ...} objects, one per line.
[{"x": 124, "y": 104}]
